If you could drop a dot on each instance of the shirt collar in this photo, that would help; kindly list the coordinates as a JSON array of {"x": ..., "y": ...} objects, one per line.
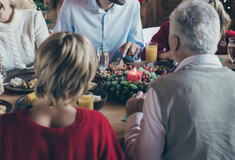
[
  {"x": 205, "y": 60},
  {"x": 93, "y": 5}
]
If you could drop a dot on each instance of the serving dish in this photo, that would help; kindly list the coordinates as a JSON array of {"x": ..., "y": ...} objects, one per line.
[{"x": 161, "y": 66}]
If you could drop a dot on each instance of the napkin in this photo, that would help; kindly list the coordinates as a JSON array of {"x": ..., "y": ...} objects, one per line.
[
  {"x": 221, "y": 59},
  {"x": 124, "y": 119}
]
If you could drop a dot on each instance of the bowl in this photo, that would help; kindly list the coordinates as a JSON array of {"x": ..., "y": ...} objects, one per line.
[
  {"x": 164, "y": 66},
  {"x": 99, "y": 104}
]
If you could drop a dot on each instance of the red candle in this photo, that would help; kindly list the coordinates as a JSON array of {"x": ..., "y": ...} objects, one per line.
[{"x": 134, "y": 75}]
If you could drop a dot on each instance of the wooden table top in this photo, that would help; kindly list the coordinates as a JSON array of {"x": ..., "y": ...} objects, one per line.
[{"x": 113, "y": 111}]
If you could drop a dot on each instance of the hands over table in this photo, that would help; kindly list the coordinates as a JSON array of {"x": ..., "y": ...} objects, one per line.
[
  {"x": 129, "y": 49},
  {"x": 135, "y": 103}
]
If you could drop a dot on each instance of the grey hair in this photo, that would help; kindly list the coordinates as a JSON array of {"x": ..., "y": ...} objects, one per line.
[{"x": 197, "y": 25}]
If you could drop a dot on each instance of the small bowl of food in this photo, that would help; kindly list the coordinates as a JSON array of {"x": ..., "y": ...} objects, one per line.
[
  {"x": 100, "y": 98},
  {"x": 161, "y": 66}
]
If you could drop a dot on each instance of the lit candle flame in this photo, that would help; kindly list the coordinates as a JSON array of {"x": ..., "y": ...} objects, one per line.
[{"x": 134, "y": 69}]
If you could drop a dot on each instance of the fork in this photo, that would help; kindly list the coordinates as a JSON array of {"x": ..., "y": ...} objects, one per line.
[{"x": 118, "y": 61}]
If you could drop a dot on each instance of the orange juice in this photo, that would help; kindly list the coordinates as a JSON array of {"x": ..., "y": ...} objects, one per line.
[
  {"x": 86, "y": 101},
  {"x": 151, "y": 53}
]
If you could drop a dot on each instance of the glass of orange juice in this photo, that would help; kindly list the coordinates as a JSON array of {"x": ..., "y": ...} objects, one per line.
[
  {"x": 86, "y": 101},
  {"x": 151, "y": 52}
]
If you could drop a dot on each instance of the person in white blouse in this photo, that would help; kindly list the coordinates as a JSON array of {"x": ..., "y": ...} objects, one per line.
[
  {"x": 22, "y": 30},
  {"x": 187, "y": 114}
]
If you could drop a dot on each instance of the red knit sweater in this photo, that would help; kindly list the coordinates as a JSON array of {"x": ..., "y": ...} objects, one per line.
[
  {"x": 90, "y": 137},
  {"x": 161, "y": 37}
]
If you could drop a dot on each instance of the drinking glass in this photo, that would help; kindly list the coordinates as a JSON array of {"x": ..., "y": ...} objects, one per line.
[
  {"x": 103, "y": 59},
  {"x": 231, "y": 50},
  {"x": 151, "y": 52},
  {"x": 86, "y": 101}
]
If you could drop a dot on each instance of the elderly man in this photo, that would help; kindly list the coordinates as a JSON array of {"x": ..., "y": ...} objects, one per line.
[
  {"x": 187, "y": 114},
  {"x": 112, "y": 24}
]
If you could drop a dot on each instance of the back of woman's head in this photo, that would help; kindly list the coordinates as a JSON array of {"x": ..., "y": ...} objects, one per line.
[
  {"x": 225, "y": 20},
  {"x": 23, "y": 4},
  {"x": 197, "y": 25},
  {"x": 65, "y": 63}
]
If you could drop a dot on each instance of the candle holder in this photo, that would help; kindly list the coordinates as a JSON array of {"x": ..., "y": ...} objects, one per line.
[{"x": 134, "y": 75}]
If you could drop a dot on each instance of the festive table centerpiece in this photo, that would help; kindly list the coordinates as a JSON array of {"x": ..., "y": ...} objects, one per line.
[{"x": 122, "y": 84}]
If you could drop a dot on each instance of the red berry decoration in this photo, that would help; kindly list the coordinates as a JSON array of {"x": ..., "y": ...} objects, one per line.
[
  {"x": 163, "y": 73},
  {"x": 109, "y": 64},
  {"x": 146, "y": 68},
  {"x": 123, "y": 92},
  {"x": 108, "y": 72},
  {"x": 144, "y": 83},
  {"x": 124, "y": 65},
  {"x": 144, "y": 72},
  {"x": 114, "y": 71},
  {"x": 130, "y": 67},
  {"x": 124, "y": 69}
]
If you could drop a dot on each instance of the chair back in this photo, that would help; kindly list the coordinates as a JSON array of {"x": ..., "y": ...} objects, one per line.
[{"x": 148, "y": 33}]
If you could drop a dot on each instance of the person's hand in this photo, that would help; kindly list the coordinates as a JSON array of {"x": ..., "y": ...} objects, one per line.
[
  {"x": 165, "y": 55},
  {"x": 1, "y": 84},
  {"x": 135, "y": 103},
  {"x": 129, "y": 49}
]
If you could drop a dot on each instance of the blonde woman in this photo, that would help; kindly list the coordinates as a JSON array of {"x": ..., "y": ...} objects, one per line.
[
  {"x": 54, "y": 128},
  {"x": 161, "y": 37},
  {"x": 22, "y": 30}
]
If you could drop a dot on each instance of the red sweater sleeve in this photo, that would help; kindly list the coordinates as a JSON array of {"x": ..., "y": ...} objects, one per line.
[{"x": 161, "y": 37}]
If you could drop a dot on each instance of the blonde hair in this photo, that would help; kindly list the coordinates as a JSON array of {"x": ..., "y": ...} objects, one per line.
[
  {"x": 65, "y": 63},
  {"x": 225, "y": 20},
  {"x": 23, "y": 4}
]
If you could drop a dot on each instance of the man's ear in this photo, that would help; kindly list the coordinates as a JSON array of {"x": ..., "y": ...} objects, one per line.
[{"x": 174, "y": 42}]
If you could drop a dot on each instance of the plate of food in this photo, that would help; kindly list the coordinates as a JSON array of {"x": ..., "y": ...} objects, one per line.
[
  {"x": 5, "y": 107},
  {"x": 20, "y": 83},
  {"x": 25, "y": 101},
  {"x": 161, "y": 66}
]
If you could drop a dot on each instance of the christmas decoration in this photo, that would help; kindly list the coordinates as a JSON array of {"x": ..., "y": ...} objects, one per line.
[{"x": 44, "y": 9}]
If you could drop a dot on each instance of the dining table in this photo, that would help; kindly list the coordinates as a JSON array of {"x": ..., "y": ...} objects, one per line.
[{"x": 113, "y": 111}]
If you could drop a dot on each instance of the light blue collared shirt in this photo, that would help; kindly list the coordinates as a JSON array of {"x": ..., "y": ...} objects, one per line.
[{"x": 109, "y": 29}]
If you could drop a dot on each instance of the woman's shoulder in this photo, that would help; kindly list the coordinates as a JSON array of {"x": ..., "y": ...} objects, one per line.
[
  {"x": 165, "y": 24},
  {"x": 92, "y": 115},
  {"x": 95, "y": 115},
  {"x": 29, "y": 12}
]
